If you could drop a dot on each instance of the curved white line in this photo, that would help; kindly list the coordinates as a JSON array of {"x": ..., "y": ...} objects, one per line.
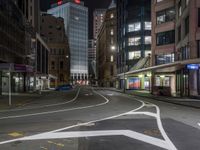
[
  {"x": 80, "y": 124},
  {"x": 56, "y": 111},
  {"x": 158, "y": 120},
  {"x": 44, "y": 106}
]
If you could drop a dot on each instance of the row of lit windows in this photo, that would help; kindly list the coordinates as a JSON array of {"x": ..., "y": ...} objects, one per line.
[
  {"x": 137, "y": 26},
  {"x": 135, "y": 41},
  {"x": 137, "y": 54}
]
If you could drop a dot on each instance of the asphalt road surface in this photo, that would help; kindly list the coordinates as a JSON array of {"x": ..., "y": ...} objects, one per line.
[{"x": 95, "y": 119}]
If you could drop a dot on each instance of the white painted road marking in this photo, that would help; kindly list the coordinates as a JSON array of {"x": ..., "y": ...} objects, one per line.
[
  {"x": 80, "y": 134},
  {"x": 166, "y": 143},
  {"x": 44, "y": 106},
  {"x": 198, "y": 124},
  {"x": 57, "y": 111}
]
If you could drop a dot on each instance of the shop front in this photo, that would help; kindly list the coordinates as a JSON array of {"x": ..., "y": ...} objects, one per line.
[
  {"x": 21, "y": 77},
  {"x": 188, "y": 80},
  {"x": 140, "y": 81}
]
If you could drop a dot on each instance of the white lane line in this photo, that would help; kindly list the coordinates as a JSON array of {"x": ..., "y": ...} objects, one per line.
[
  {"x": 44, "y": 106},
  {"x": 57, "y": 111},
  {"x": 79, "y": 124},
  {"x": 80, "y": 134},
  {"x": 198, "y": 124},
  {"x": 158, "y": 119}
]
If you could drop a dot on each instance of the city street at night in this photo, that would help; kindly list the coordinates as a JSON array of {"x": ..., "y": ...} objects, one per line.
[
  {"x": 88, "y": 118},
  {"x": 99, "y": 74}
]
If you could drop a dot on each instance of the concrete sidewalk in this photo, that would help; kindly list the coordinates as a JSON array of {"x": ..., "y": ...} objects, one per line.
[
  {"x": 184, "y": 101},
  {"x": 20, "y": 99}
]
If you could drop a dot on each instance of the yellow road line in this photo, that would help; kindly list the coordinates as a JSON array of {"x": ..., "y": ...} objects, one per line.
[{"x": 16, "y": 134}]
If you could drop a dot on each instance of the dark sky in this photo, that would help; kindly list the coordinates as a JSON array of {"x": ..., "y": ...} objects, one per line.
[{"x": 91, "y": 4}]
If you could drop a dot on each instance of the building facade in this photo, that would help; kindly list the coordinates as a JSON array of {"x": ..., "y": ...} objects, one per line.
[
  {"x": 12, "y": 47},
  {"x": 75, "y": 16},
  {"x": 98, "y": 17},
  {"x": 134, "y": 34},
  {"x": 106, "y": 49},
  {"x": 176, "y": 36},
  {"x": 23, "y": 53},
  {"x": 92, "y": 61},
  {"x": 53, "y": 32},
  {"x": 31, "y": 11},
  {"x": 163, "y": 42}
]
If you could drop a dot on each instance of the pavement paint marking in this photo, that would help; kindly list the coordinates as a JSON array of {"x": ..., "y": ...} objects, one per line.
[
  {"x": 79, "y": 124},
  {"x": 15, "y": 134},
  {"x": 57, "y": 144},
  {"x": 44, "y": 106},
  {"x": 56, "y": 111},
  {"x": 198, "y": 124},
  {"x": 111, "y": 94},
  {"x": 44, "y": 148},
  {"x": 80, "y": 134},
  {"x": 159, "y": 123}
]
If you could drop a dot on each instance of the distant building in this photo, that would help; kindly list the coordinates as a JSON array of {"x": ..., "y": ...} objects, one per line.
[
  {"x": 98, "y": 17},
  {"x": 107, "y": 50},
  {"x": 75, "y": 16},
  {"x": 92, "y": 61},
  {"x": 53, "y": 32}
]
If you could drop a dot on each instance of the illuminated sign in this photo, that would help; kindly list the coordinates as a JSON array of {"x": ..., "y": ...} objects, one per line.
[
  {"x": 60, "y": 2},
  {"x": 77, "y": 1},
  {"x": 193, "y": 66}
]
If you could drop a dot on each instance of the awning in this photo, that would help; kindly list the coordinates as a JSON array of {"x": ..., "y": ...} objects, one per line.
[{"x": 170, "y": 67}]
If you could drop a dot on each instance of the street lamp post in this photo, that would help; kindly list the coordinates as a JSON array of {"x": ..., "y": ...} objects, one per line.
[{"x": 10, "y": 94}]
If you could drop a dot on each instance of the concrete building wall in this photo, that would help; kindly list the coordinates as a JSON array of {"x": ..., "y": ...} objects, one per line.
[
  {"x": 53, "y": 32},
  {"x": 107, "y": 51},
  {"x": 98, "y": 17},
  {"x": 76, "y": 28}
]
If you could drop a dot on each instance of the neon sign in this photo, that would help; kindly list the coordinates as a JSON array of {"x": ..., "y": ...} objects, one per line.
[
  {"x": 77, "y": 1},
  {"x": 59, "y": 2}
]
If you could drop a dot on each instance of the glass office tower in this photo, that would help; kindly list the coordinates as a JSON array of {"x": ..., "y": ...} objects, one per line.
[{"x": 75, "y": 16}]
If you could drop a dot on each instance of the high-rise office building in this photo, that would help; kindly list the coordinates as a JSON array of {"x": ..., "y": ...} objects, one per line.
[
  {"x": 134, "y": 32},
  {"x": 75, "y": 16}
]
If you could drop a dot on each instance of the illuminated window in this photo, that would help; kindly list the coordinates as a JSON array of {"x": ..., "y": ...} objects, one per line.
[
  {"x": 147, "y": 25},
  {"x": 147, "y": 53},
  {"x": 111, "y": 32},
  {"x": 111, "y": 15},
  {"x": 111, "y": 58},
  {"x": 134, "y": 55},
  {"x": 134, "y": 27},
  {"x": 147, "y": 39},
  {"x": 134, "y": 41}
]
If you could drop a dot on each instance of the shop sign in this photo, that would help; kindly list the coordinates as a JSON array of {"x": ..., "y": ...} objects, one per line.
[
  {"x": 6, "y": 67},
  {"x": 193, "y": 66},
  {"x": 20, "y": 68},
  {"x": 134, "y": 83}
]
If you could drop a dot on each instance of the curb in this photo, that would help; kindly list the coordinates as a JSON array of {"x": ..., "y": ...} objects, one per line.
[{"x": 154, "y": 98}]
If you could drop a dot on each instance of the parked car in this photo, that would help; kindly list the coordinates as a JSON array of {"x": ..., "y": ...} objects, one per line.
[{"x": 65, "y": 87}]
